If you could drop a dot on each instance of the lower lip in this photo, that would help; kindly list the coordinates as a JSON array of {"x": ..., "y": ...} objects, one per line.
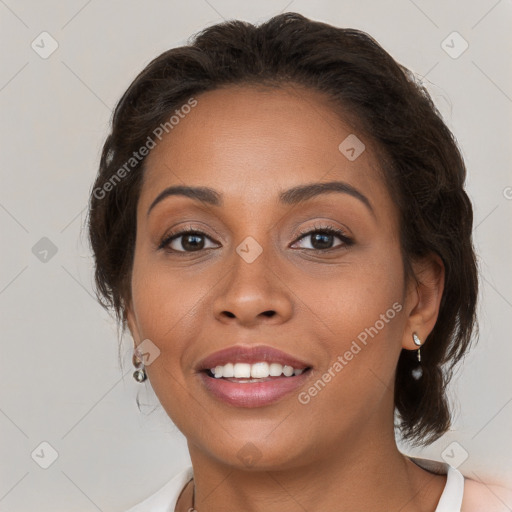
[{"x": 253, "y": 394}]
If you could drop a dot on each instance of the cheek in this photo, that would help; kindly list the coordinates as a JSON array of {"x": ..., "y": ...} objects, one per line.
[
  {"x": 362, "y": 306},
  {"x": 166, "y": 303},
  {"x": 164, "y": 296},
  {"x": 355, "y": 295},
  {"x": 364, "y": 313},
  {"x": 166, "y": 307}
]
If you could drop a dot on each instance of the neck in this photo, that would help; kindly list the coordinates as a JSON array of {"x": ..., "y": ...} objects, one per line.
[{"x": 357, "y": 476}]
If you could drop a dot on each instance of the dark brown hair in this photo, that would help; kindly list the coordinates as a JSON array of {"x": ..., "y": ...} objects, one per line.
[{"x": 421, "y": 162}]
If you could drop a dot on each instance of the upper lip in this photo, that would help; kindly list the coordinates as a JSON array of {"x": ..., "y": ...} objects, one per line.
[{"x": 250, "y": 354}]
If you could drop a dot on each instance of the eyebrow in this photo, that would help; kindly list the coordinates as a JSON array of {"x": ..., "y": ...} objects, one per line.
[{"x": 291, "y": 196}]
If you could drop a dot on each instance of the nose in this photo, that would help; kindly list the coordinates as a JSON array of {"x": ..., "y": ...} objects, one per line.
[{"x": 253, "y": 293}]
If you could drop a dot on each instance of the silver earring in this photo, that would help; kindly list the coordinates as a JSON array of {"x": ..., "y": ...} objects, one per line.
[
  {"x": 140, "y": 373},
  {"x": 418, "y": 371}
]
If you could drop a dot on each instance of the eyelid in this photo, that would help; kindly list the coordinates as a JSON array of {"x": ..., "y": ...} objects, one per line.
[
  {"x": 346, "y": 239},
  {"x": 174, "y": 234},
  {"x": 324, "y": 227}
]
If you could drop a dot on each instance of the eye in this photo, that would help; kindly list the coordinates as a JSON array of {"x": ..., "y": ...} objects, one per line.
[
  {"x": 192, "y": 241},
  {"x": 322, "y": 238}
]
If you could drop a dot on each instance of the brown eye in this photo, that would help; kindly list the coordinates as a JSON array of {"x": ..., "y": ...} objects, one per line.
[
  {"x": 323, "y": 238},
  {"x": 185, "y": 241}
]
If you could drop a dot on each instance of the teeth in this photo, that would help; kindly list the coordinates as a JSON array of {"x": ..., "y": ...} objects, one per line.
[
  {"x": 288, "y": 371},
  {"x": 275, "y": 369},
  {"x": 260, "y": 370},
  {"x": 242, "y": 370},
  {"x": 228, "y": 370}
]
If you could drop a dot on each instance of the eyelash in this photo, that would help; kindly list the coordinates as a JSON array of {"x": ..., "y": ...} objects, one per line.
[
  {"x": 347, "y": 241},
  {"x": 189, "y": 230}
]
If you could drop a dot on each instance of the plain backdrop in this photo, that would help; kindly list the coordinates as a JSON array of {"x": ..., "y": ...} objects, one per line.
[{"x": 66, "y": 403}]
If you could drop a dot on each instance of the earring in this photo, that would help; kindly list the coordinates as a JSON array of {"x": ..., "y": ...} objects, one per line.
[
  {"x": 418, "y": 371},
  {"x": 140, "y": 373}
]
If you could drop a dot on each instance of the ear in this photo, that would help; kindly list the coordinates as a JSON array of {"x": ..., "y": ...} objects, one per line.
[{"x": 424, "y": 293}]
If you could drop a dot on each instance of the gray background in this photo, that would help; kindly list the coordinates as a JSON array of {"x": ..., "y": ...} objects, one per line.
[{"x": 61, "y": 381}]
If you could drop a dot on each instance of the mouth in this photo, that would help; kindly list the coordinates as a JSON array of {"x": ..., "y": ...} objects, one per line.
[
  {"x": 252, "y": 375},
  {"x": 250, "y": 392}
]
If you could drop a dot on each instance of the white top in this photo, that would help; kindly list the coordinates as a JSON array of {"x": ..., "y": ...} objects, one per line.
[{"x": 164, "y": 500}]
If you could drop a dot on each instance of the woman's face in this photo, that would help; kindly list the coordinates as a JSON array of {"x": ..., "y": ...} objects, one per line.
[{"x": 254, "y": 279}]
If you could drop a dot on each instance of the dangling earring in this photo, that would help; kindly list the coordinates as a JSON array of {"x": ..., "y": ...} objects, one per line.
[
  {"x": 140, "y": 373},
  {"x": 418, "y": 371}
]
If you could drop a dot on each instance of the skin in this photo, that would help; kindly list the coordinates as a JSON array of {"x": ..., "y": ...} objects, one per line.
[{"x": 338, "y": 451}]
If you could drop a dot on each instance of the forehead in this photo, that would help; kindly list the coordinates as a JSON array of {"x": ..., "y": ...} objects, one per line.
[{"x": 252, "y": 142}]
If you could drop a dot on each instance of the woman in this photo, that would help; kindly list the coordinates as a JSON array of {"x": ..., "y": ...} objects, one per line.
[{"x": 279, "y": 219}]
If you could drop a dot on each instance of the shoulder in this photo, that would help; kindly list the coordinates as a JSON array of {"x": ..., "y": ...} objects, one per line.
[{"x": 479, "y": 496}]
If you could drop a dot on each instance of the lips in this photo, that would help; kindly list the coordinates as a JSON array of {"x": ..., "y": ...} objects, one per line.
[
  {"x": 253, "y": 394},
  {"x": 250, "y": 354}
]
